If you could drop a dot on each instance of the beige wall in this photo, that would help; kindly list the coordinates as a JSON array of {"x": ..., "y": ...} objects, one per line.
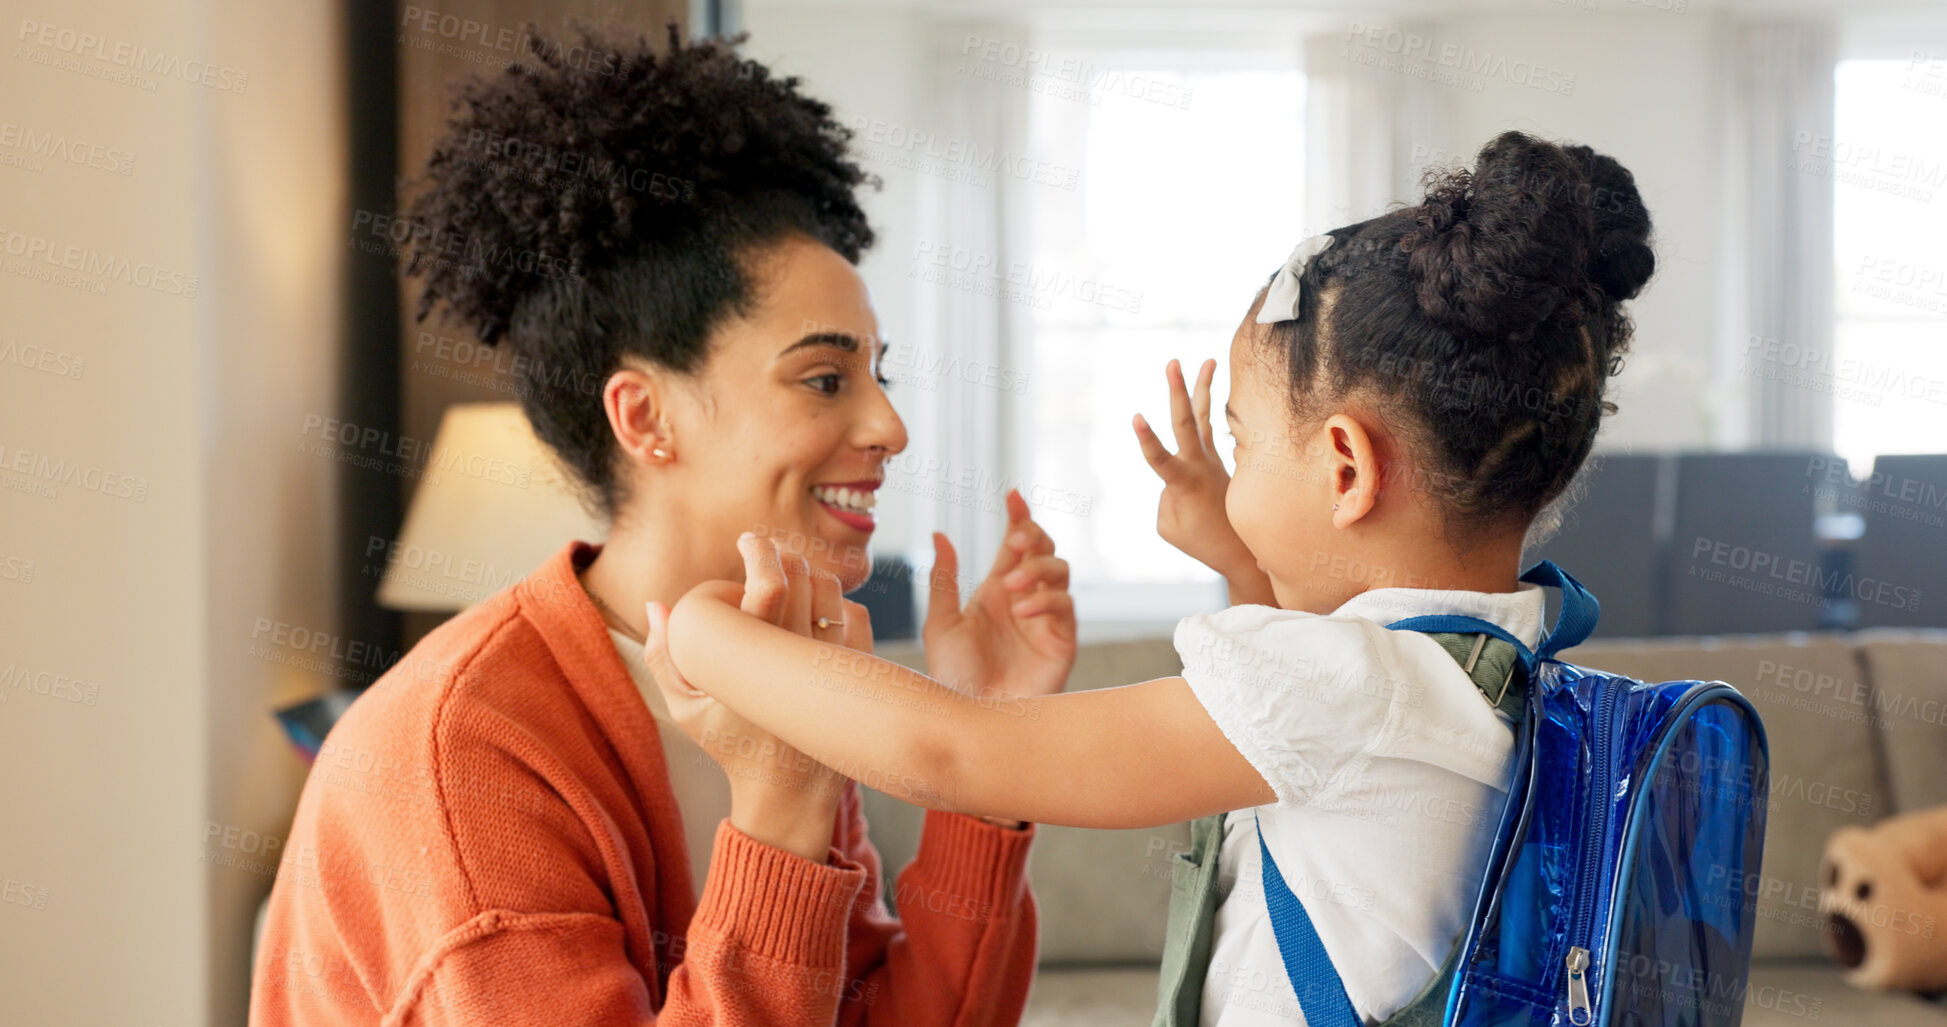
[
  {"x": 1645, "y": 91},
  {"x": 194, "y": 399},
  {"x": 275, "y": 171}
]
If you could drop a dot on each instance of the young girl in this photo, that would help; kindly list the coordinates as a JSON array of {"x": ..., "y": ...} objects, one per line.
[{"x": 1407, "y": 394}]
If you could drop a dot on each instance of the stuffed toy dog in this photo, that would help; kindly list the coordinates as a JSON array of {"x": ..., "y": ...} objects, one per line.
[{"x": 1884, "y": 903}]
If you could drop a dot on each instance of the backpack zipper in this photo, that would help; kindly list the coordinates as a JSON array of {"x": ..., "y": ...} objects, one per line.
[
  {"x": 1578, "y": 986},
  {"x": 1580, "y": 1012}
]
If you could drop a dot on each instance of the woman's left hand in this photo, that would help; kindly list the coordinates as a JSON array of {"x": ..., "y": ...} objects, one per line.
[{"x": 1016, "y": 634}]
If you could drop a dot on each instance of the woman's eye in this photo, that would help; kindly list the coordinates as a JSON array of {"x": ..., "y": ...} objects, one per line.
[
  {"x": 826, "y": 383},
  {"x": 884, "y": 382}
]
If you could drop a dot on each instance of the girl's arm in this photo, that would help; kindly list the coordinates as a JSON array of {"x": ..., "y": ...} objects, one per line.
[
  {"x": 1140, "y": 755},
  {"x": 962, "y": 949}
]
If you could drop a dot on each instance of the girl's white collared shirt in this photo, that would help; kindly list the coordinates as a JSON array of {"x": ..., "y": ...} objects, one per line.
[{"x": 1390, "y": 770}]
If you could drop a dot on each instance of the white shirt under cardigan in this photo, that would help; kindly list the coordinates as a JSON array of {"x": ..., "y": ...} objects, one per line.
[
  {"x": 701, "y": 787},
  {"x": 1390, "y": 770}
]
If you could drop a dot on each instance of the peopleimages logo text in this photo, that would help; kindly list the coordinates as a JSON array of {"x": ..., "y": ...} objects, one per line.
[{"x": 1758, "y": 563}]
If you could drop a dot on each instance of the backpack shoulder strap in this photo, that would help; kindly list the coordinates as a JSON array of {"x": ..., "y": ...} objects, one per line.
[
  {"x": 1501, "y": 667},
  {"x": 1492, "y": 663},
  {"x": 1316, "y": 982},
  {"x": 1573, "y": 624},
  {"x": 1429, "y": 1007},
  {"x": 1496, "y": 668}
]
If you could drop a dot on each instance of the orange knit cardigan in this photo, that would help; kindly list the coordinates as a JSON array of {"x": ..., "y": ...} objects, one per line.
[{"x": 489, "y": 838}]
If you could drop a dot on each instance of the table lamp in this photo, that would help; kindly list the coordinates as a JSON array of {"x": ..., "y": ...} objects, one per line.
[{"x": 491, "y": 506}]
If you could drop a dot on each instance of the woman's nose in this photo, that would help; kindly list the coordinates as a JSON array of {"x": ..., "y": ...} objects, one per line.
[{"x": 881, "y": 427}]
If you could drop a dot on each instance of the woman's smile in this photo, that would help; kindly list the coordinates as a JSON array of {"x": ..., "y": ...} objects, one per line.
[{"x": 850, "y": 502}]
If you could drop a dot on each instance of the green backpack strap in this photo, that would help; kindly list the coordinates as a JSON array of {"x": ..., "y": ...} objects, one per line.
[
  {"x": 1429, "y": 1007},
  {"x": 1495, "y": 668},
  {"x": 1193, "y": 911}
]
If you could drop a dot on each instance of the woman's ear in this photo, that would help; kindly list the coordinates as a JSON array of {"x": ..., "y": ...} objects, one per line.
[
  {"x": 636, "y": 402},
  {"x": 1353, "y": 466}
]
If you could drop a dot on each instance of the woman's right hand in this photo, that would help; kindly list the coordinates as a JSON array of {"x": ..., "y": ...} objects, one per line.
[
  {"x": 778, "y": 795},
  {"x": 1190, "y": 515}
]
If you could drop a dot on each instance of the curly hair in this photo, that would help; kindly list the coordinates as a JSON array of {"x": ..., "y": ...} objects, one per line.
[
  {"x": 1486, "y": 321},
  {"x": 590, "y": 210}
]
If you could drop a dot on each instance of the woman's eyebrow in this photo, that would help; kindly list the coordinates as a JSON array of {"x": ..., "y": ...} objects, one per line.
[
  {"x": 839, "y": 340},
  {"x": 1229, "y": 414}
]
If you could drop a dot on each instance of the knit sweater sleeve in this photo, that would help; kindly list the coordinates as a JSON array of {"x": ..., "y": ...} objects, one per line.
[
  {"x": 767, "y": 947},
  {"x": 777, "y": 941},
  {"x": 962, "y": 951}
]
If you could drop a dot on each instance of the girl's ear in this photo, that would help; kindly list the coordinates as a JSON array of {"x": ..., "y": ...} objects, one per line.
[
  {"x": 636, "y": 401},
  {"x": 1353, "y": 465}
]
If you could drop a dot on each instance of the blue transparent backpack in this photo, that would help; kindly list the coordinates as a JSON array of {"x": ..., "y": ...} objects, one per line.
[{"x": 1618, "y": 887}]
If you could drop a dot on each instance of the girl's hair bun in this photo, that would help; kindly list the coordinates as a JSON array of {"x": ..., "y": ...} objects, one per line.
[
  {"x": 1621, "y": 262},
  {"x": 1533, "y": 233},
  {"x": 1484, "y": 322}
]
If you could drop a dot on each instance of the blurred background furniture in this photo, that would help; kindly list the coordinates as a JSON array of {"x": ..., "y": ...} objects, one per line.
[
  {"x": 1753, "y": 543},
  {"x": 1903, "y": 538},
  {"x": 1610, "y": 539},
  {"x": 1742, "y": 544}
]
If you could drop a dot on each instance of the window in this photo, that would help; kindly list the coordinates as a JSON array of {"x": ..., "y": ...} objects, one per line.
[
  {"x": 1190, "y": 194},
  {"x": 1889, "y": 365}
]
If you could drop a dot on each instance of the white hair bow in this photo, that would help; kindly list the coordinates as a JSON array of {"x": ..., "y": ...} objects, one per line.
[{"x": 1281, "y": 296}]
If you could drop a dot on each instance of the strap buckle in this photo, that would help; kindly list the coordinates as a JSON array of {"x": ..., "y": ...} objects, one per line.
[{"x": 1473, "y": 657}]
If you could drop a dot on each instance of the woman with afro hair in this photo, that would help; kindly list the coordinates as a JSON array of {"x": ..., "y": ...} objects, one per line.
[{"x": 521, "y": 822}]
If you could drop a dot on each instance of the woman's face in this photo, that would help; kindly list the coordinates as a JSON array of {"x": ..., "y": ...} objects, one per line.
[{"x": 786, "y": 428}]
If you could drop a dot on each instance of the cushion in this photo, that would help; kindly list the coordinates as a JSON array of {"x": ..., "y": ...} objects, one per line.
[
  {"x": 1795, "y": 994},
  {"x": 1091, "y": 997},
  {"x": 1908, "y": 669},
  {"x": 1812, "y": 696}
]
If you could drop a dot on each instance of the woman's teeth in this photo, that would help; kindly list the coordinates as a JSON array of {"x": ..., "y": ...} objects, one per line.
[{"x": 855, "y": 500}]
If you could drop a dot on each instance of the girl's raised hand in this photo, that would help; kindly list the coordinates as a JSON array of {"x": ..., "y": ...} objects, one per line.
[
  {"x": 1016, "y": 634},
  {"x": 1190, "y": 515}
]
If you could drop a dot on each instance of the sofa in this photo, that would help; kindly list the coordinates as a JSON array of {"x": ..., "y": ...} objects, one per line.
[{"x": 1858, "y": 730}]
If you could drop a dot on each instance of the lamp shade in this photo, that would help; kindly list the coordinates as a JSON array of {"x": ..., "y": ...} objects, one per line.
[{"x": 491, "y": 506}]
